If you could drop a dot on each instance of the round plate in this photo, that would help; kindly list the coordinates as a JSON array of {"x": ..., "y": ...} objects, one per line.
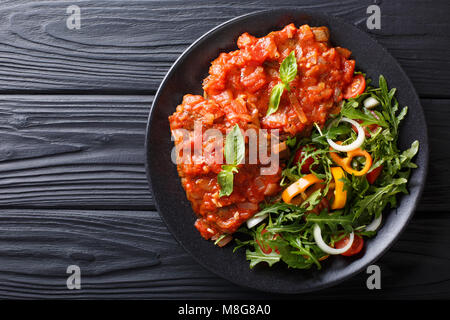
[{"x": 186, "y": 76}]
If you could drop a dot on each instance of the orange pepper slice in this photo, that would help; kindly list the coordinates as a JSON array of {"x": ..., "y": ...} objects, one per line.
[
  {"x": 324, "y": 257},
  {"x": 299, "y": 186},
  {"x": 320, "y": 259},
  {"x": 340, "y": 195},
  {"x": 346, "y": 162}
]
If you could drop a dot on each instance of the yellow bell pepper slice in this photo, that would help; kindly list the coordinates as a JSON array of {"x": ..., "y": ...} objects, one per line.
[
  {"x": 346, "y": 163},
  {"x": 299, "y": 186},
  {"x": 340, "y": 195}
]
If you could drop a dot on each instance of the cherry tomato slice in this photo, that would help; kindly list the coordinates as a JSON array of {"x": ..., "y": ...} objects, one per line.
[
  {"x": 356, "y": 87},
  {"x": 267, "y": 249},
  {"x": 374, "y": 174},
  {"x": 299, "y": 158},
  {"x": 356, "y": 247}
]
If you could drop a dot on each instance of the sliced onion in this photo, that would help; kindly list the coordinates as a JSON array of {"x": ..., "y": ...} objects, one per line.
[
  {"x": 271, "y": 188},
  {"x": 253, "y": 221},
  {"x": 326, "y": 248},
  {"x": 224, "y": 241},
  {"x": 371, "y": 103},
  {"x": 373, "y": 226},
  {"x": 247, "y": 206},
  {"x": 355, "y": 144}
]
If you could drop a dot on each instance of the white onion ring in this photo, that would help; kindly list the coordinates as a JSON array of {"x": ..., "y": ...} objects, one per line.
[
  {"x": 355, "y": 144},
  {"x": 253, "y": 221},
  {"x": 373, "y": 226},
  {"x": 371, "y": 103},
  {"x": 326, "y": 248}
]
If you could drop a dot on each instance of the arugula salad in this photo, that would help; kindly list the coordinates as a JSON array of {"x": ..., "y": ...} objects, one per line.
[{"x": 336, "y": 184}]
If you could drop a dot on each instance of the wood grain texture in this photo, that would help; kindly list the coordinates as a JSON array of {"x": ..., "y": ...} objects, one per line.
[
  {"x": 127, "y": 46},
  {"x": 130, "y": 255},
  {"x": 73, "y": 151},
  {"x": 72, "y": 181},
  {"x": 64, "y": 151}
]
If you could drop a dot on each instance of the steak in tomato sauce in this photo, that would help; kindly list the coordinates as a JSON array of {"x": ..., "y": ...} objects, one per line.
[{"x": 237, "y": 91}]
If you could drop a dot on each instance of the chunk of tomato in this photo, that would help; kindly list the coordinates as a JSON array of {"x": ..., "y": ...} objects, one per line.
[
  {"x": 373, "y": 175},
  {"x": 356, "y": 87}
]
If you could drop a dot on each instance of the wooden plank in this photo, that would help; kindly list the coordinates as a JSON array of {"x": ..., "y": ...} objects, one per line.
[
  {"x": 437, "y": 187},
  {"x": 129, "y": 46},
  {"x": 130, "y": 254},
  {"x": 88, "y": 152},
  {"x": 75, "y": 151}
]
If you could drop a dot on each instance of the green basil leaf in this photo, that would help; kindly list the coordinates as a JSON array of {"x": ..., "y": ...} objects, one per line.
[
  {"x": 288, "y": 69},
  {"x": 234, "y": 146},
  {"x": 225, "y": 180},
  {"x": 234, "y": 154},
  {"x": 275, "y": 97}
]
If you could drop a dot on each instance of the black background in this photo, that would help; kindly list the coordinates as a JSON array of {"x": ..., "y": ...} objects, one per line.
[{"x": 73, "y": 110}]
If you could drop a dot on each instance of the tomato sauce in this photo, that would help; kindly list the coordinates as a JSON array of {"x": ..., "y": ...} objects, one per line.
[{"x": 237, "y": 91}]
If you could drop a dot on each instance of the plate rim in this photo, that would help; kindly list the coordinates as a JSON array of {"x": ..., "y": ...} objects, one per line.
[{"x": 424, "y": 147}]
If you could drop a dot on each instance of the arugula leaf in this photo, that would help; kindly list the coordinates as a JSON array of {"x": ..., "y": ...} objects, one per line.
[
  {"x": 334, "y": 132},
  {"x": 332, "y": 221},
  {"x": 408, "y": 154},
  {"x": 295, "y": 257},
  {"x": 278, "y": 208},
  {"x": 382, "y": 84},
  {"x": 313, "y": 200},
  {"x": 350, "y": 110},
  {"x": 279, "y": 227},
  {"x": 240, "y": 244},
  {"x": 390, "y": 105},
  {"x": 377, "y": 201},
  {"x": 258, "y": 256},
  {"x": 402, "y": 115},
  {"x": 303, "y": 251},
  {"x": 261, "y": 240}
]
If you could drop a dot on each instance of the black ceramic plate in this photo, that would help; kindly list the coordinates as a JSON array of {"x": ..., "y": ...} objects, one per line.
[{"x": 186, "y": 77}]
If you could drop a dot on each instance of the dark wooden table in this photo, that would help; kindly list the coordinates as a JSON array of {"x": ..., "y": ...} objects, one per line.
[{"x": 73, "y": 111}]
